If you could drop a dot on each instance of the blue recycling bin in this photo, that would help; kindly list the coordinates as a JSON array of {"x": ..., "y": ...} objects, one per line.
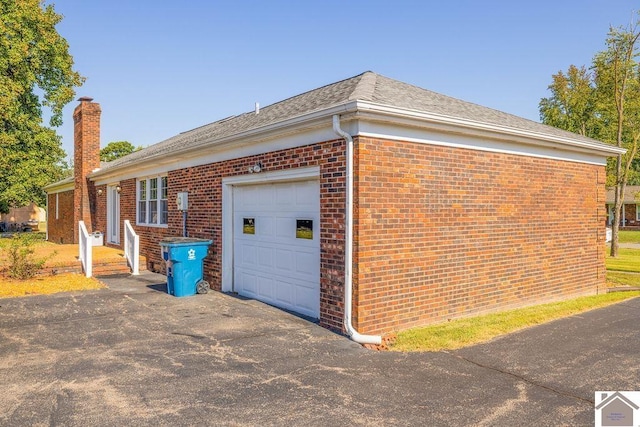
[{"x": 184, "y": 258}]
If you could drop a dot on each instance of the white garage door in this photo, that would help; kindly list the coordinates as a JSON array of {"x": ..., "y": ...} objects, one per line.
[{"x": 276, "y": 244}]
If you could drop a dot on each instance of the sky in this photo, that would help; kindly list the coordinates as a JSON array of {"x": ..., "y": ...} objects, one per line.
[{"x": 159, "y": 68}]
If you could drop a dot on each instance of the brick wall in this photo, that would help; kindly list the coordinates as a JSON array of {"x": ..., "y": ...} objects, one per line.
[
  {"x": 630, "y": 215},
  {"x": 86, "y": 158},
  {"x": 99, "y": 217},
  {"x": 445, "y": 232},
  {"x": 439, "y": 232},
  {"x": 60, "y": 230},
  {"x": 204, "y": 185}
]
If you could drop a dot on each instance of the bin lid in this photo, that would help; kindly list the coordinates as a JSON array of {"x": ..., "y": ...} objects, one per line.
[{"x": 175, "y": 241}]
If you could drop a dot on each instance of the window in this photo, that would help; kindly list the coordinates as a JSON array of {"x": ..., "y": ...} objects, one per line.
[
  {"x": 249, "y": 226},
  {"x": 153, "y": 208},
  {"x": 637, "y": 212},
  {"x": 164, "y": 206}
]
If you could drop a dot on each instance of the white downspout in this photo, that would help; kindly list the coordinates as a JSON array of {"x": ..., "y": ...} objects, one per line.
[
  {"x": 46, "y": 219},
  {"x": 348, "y": 256}
]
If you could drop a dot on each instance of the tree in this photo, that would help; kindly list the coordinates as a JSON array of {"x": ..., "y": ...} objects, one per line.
[
  {"x": 116, "y": 149},
  {"x": 603, "y": 104},
  {"x": 36, "y": 71},
  {"x": 573, "y": 104},
  {"x": 617, "y": 79}
]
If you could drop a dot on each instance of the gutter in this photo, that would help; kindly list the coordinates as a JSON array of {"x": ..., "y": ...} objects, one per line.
[
  {"x": 348, "y": 257},
  {"x": 310, "y": 120},
  {"x": 364, "y": 109},
  {"x": 441, "y": 121}
]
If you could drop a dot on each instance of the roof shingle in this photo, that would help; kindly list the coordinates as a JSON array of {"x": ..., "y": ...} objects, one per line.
[{"x": 367, "y": 86}]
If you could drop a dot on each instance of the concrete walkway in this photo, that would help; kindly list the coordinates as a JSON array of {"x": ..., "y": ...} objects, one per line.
[
  {"x": 133, "y": 355},
  {"x": 629, "y": 245}
]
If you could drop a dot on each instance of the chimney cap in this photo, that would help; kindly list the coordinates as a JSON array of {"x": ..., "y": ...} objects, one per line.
[{"x": 85, "y": 99}]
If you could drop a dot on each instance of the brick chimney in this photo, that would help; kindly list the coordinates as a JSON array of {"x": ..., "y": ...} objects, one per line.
[{"x": 86, "y": 159}]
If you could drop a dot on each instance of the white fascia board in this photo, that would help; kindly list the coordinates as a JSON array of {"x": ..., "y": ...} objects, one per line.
[
  {"x": 59, "y": 188},
  {"x": 414, "y": 118},
  {"x": 457, "y": 140},
  {"x": 366, "y": 119},
  {"x": 227, "y": 152},
  {"x": 295, "y": 132}
]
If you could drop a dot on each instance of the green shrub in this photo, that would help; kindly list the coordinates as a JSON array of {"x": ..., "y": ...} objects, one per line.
[{"x": 19, "y": 248}]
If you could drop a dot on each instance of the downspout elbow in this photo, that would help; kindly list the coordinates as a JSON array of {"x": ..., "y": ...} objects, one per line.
[{"x": 348, "y": 258}]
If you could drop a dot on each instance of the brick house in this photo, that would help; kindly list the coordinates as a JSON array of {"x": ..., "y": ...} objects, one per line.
[
  {"x": 630, "y": 213},
  {"x": 29, "y": 217},
  {"x": 455, "y": 209}
]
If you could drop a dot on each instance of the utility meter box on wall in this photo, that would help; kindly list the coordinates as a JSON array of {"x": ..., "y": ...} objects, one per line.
[{"x": 182, "y": 201}]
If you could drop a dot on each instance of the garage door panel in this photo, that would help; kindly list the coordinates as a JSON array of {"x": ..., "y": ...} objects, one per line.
[
  {"x": 265, "y": 257},
  {"x": 305, "y": 196},
  {"x": 264, "y": 196},
  {"x": 266, "y": 227},
  {"x": 249, "y": 254},
  {"x": 285, "y": 196},
  {"x": 249, "y": 282},
  {"x": 284, "y": 260},
  {"x": 277, "y": 264},
  {"x": 284, "y": 293},
  {"x": 306, "y": 263},
  {"x": 266, "y": 287},
  {"x": 304, "y": 296},
  {"x": 284, "y": 227}
]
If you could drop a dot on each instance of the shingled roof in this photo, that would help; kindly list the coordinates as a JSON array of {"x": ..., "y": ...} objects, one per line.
[
  {"x": 368, "y": 86},
  {"x": 631, "y": 194}
]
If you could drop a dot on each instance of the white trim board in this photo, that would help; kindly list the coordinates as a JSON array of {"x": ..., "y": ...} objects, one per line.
[
  {"x": 421, "y": 136},
  {"x": 374, "y": 121},
  {"x": 217, "y": 154}
]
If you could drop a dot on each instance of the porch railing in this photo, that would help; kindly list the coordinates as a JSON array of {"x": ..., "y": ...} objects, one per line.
[
  {"x": 131, "y": 247},
  {"x": 86, "y": 246}
]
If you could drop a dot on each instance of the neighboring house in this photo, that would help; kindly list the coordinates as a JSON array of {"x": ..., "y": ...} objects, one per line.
[
  {"x": 630, "y": 206},
  {"x": 457, "y": 209},
  {"x": 23, "y": 218}
]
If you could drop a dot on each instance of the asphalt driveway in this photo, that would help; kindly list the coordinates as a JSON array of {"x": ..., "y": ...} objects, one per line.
[{"x": 133, "y": 355}]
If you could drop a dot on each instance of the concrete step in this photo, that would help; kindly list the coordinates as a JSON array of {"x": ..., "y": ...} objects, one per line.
[
  {"x": 115, "y": 267},
  {"x": 106, "y": 267}
]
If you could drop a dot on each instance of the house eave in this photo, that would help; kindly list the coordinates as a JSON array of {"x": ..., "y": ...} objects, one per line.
[
  {"x": 373, "y": 111},
  {"x": 359, "y": 110},
  {"x": 305, "y": 122},
  {"x": 59, "y": 187}
]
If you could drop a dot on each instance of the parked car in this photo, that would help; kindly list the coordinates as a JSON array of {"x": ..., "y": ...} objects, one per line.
[{"x": 30, "y": 225}]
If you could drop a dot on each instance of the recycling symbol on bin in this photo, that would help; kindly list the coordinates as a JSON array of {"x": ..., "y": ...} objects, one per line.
[{"x": 191, "y": 254}]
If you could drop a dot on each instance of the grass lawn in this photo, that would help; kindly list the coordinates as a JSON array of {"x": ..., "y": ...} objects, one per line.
[
  {"x": 628, "y": 260},
  {"x": 47, "y": 285},
  {"x": 626, "y": 236},
  {"x": 59, "y": 255},
  {"x": 56, "y": 255},
  {"x": 464, "y": 332},
  {"x": 621, "y": 278}
]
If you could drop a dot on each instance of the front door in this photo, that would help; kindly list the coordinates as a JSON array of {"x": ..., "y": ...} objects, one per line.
[{"x": 113, "y": 214}]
